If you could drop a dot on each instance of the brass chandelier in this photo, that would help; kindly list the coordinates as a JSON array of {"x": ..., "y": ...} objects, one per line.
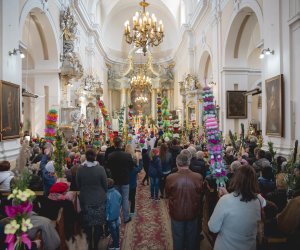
[
  {"x": 145, "y": 31},
  {"x": 140, "y": 82}
]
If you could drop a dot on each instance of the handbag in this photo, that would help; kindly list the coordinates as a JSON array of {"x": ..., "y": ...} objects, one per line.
[{"x": 260, "y": 227}]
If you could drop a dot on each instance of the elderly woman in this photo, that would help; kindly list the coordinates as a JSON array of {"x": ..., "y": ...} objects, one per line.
[
  {"x": 92, "y": 184},
  {"x": 236, "y": 214},
  {"x": 6, "y": 176}
]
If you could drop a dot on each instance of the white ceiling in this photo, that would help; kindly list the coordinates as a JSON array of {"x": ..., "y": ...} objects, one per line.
[{"x": 116, "y": 12}]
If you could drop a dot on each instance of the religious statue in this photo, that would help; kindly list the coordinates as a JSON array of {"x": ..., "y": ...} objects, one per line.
[{"x": 68, "y": 25}]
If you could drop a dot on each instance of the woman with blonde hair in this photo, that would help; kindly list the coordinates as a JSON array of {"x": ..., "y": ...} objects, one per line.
[
  {"x": 279, "y": 195},
  {"x": 130, "y": 150}
]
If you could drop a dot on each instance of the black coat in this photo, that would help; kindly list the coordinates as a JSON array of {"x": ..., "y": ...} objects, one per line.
[
  {"x": 198, "y": 166},
  {"x": 120, "y": 164}
]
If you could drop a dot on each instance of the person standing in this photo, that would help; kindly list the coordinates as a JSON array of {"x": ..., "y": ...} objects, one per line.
[
  {"x": 113, "y": 206},
  {"x": 146, "y": 163},
  {"x": 184, "y": 189},
  {"x": 236, "y": 214},
  {"x": 121, "y": 163},
  {"x": 166, "y": 161},
  {"x": 92, "y": 183},
  {"x": 155, "y": 172}
]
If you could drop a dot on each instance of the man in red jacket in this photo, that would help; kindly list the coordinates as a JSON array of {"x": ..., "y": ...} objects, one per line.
[{"x": 183, "y": 189}]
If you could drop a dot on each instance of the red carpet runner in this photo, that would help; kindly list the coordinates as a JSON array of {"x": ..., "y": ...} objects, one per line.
[{"x": 150, "y": 227}]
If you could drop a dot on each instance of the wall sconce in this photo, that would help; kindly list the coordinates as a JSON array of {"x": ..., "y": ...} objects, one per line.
[
  {"x": 16, "y": 51},
  {"x": 266, "y": 52}
]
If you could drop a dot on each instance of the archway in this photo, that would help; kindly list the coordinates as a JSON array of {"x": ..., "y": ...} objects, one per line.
[
  {"x": 205, "y": 68},
  {"x": 40, "y": 68},
  {"x": 242, "y": 64}
]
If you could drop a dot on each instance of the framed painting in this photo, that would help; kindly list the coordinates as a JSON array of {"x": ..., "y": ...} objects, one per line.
[
  {"x": 274, "y": 106},
  {"x": 9, "y": 110},
  {"x": 236, "y": 104}
]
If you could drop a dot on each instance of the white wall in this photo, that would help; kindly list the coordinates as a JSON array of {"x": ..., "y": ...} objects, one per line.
[{"x": 9, "y": 65}]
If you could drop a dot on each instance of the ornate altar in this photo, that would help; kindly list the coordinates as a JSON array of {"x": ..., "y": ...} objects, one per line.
[
  {"x": 121, "y": 89},
  {"x": 191, "y": 90}
]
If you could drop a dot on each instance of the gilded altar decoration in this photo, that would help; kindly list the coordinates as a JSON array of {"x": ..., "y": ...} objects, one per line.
[{"x": 71, "y": 65}]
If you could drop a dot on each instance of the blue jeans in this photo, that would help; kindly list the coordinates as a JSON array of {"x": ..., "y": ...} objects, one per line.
[
  {"x": 124, "y": 191},
  {"x": 154, "y": 184},
  {"x": 114, "y": 229},
  {"x": 185, "y": 234}
]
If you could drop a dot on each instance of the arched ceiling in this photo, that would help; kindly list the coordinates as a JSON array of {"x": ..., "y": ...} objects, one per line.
[{"x": 116, "y": 12}]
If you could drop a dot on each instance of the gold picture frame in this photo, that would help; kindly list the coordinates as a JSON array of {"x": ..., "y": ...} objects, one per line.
[
  {"x": 191, "y": 115},
  {"x": 274, "y": 106},
  {"x": 9, "y": 110}
]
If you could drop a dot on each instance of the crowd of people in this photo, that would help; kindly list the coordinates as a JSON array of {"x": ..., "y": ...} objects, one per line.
[{"x": 106, "y": 180}]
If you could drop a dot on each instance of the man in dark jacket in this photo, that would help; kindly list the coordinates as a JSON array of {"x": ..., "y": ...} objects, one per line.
[
  {"x": 183, "y": 189},
  {"x": 120, "y": 164},
  {"x": 261, "y": 162}
]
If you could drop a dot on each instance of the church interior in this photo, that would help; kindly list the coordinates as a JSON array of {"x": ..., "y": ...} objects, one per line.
[{"x": 205, "y": 89}]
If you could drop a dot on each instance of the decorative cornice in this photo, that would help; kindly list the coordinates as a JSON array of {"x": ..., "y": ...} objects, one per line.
[
  {"x": 240, "y": 70},
  {"x": 41, "y": 72},
  {"x": 89, "y": 26}
]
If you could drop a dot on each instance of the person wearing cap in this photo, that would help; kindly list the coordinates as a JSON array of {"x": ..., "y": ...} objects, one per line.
[
  {"x": 48, "y": 176},
  {"x": 184, "y": 189},
  {"x": 113, "y": 206},
  {"x": 59, "y": 197},
  {"x": 120, "y": 164}
]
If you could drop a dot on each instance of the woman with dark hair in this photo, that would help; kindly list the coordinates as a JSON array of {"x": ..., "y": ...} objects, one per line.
[
  {"x": 146, "y": 163},
  {"x": 166, "y": 162},
  {"x": 236, "y": 213},
  {"x": 92, "y": 184}
]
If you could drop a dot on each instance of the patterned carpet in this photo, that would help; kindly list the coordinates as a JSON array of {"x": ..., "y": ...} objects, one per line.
[{"x": 150, "y": 227}]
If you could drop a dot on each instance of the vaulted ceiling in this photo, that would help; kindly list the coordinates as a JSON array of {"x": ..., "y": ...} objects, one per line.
[{"x": 113, "y": 14}]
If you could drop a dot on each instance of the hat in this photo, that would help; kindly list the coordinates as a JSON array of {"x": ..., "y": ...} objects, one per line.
[
  {"x": 103, "y": 148},
  {"x": 155, "y": 151},
  {"x": 59, "y": 187},
  {"x": 110, "y": 182},
  {"x": 50, "y": 167}
]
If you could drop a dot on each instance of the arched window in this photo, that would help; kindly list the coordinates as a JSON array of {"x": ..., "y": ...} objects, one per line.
[{"x": 182, "y": 12}]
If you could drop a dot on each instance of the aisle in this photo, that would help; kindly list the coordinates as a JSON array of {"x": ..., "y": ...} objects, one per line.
[{"x": 150, "y": 227}]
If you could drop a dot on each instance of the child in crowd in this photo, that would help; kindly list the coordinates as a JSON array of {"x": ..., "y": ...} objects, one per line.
[
  {"x": 155, "y": 173},
  {"x": 133, "y": 179},
  {"x": 113, "y": 206}
]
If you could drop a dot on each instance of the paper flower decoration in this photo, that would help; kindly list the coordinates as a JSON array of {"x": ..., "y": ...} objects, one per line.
[
  {"x": 214, "y": 142},
  {"x": 51, "y": 125}
]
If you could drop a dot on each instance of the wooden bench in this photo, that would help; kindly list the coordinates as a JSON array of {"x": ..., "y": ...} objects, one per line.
[{"x": 60, "y": 228}]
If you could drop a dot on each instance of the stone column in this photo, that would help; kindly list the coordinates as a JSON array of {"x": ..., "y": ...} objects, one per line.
[
  {"x": 153, "y": 103},
  {"x": 123, "y": 97},
  {"x": 110, "y": 101}
]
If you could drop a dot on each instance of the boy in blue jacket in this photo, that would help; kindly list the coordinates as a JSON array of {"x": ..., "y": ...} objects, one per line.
[{"x": 113, "y": 206}]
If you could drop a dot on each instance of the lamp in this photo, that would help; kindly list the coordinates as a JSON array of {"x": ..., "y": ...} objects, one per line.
[
  {"x": 211, "y": 83},
  {"x": 266, "y": 52},
  {"x": 140, "y": 82},
  {"x": 16, "y": 51},
  {"x": 145, "y": 30}
]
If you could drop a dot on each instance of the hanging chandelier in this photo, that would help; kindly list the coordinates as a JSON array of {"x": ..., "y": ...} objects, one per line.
[
  {"x": 141, "y": 99},
  {"x": 140, "y": 82},
  {"x": 145, "y": 31}
]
